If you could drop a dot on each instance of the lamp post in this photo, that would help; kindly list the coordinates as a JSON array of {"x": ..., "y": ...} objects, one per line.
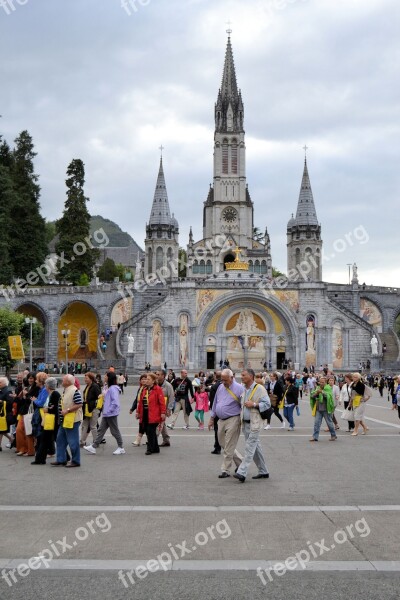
[
  {"x": 66, "y": 333},
  {"x": 30, "y": 321}
]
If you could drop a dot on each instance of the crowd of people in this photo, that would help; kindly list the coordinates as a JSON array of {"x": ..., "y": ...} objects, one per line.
[{"x": 41, "y": 423}]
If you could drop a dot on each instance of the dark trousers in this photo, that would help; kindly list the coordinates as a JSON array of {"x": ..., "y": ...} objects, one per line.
[
  {"x": 43, "y": 443},
  {"x": 216, "y": 442},
  {"x": 351, "y": 423},
  {"x": 151, "y": 432},
  {"x": 276, "y": 413}
]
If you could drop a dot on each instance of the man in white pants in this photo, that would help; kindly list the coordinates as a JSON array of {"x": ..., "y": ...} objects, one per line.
[{"x": 255, "y": 399}]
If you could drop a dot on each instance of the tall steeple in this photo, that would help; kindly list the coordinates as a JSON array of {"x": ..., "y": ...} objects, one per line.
[
  {"x": 160, "y": 212},
  {"x": 304, "y": 244},
  {"x": 228, "y": 209},
  {"x": 162, "y": 231},
  {"x": 306, "y": 213},
  {"x": 229, "y": 106}
]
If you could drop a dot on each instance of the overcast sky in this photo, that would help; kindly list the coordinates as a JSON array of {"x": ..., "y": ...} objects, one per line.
[{"x": 90, "y": 79}]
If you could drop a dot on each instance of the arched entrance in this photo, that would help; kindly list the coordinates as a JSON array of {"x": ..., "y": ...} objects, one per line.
[
  {"x": 248, "y": 330},
  {"x": 32, "y": 311},
  {"x": 80, "y": 343}
]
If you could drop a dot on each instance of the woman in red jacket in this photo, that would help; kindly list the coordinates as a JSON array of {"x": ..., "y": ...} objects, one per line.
[{"x": 151, "y": 411}]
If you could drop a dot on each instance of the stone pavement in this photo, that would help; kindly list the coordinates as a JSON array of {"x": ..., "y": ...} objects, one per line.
[{"x": 330, "y": 514}]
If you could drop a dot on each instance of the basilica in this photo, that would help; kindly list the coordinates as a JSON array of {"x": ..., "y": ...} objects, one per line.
[
  {"x": 229, "y": 305},
  {"x": 222, "y": 301}
]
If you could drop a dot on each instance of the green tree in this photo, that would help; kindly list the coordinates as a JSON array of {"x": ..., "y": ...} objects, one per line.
[
  {"x": 51, "y": 232},
  {"x": 108, "y": 270},
  {"x": 10, "y": 324},
  {"x": 28, "y": 250},
  {"x": 7, "y": 199},
  {"x": 182, "y": 263},
  {"x": 277, "y": 273},
  {"x": 73, "y": 229}
]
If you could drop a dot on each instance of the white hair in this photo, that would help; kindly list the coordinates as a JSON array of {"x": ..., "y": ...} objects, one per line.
[
  {"x": 4, "y": 380},
  {"x": 70, "y": 378},
  {"x": 227, "y": 372}
]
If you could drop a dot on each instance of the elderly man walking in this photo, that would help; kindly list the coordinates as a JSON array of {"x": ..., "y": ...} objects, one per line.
[
  {"x": 227, "y": 407},
  {"x": 70, "y": 418},
  {"x": 255, "y": 398}
]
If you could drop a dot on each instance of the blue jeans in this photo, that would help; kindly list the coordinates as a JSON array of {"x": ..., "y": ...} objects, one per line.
[
  {"x": 68, "y": 437},
  {"x": 288, "y": 414},
  {"x": 318, "y": 421}
]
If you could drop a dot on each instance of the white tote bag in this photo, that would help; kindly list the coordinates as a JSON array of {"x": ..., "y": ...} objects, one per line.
[{"x": 28, "y": 420}]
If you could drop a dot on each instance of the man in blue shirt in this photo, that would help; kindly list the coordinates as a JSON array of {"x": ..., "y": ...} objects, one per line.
[{"x": 227, "y": 407}]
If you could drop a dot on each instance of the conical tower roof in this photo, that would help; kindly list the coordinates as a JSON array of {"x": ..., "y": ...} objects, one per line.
[
  {"x": 229, "y": 88},
  {"x": 306, "y": 213},
  {"x": 160, "y": 212}
]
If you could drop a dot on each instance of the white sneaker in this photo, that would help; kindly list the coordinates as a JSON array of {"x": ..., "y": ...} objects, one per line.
[
  {"x": 90, "y": 449},
  {"x": 283, "y": 425},
  {"x": 170, "y": 426},
  {"x": 267, "y": 427},
  {"x": 119, "y": 451},
  {"x": 291, "y": 429},
  {"x": 186, "y": 427}
]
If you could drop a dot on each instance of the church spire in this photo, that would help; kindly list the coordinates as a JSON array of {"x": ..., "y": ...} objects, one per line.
[
  {"x": 160, "y": 212},
  {"x": 306, "y": 213},
  {"x": 229, "y": 105}
]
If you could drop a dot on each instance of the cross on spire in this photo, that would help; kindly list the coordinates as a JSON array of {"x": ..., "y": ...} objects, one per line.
[
  {"x": 161, "y": 148},
  {"x": 305, "y": 148},
  {"x": 229, "y": 30}
]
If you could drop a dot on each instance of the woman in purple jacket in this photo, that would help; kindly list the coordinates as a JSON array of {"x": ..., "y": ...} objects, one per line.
[{"x": 110, "y": 414}]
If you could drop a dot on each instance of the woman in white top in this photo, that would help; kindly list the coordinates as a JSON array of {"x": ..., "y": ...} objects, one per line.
[{"x": 345, "y": 395}]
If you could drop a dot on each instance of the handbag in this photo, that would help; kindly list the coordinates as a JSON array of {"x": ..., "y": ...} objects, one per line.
[
  {"x": 274, "y": 400},
  {"x": 68, "y": 420},
  {"x": 348, "y": 414},
  {"x": 28, "y": 420},
  {"x": 49, "y": 422},
  {"x": 3, "y": 418},
  {"x": 298, "y": 410}
]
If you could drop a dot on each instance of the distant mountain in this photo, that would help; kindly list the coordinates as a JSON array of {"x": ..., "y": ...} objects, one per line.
[{"x": 117, "y": 237}]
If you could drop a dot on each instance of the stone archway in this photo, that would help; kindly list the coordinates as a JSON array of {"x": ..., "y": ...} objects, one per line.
[{"x": 31, "y": 310}]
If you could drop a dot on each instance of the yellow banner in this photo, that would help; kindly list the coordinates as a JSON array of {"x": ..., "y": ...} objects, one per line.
[{"x": 16, "y": 347}]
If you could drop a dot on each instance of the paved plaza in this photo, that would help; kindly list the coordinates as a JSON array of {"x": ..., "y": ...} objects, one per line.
[{"x": 161, "y": 527}]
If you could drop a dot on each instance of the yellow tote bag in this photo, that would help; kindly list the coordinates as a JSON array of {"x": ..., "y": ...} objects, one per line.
[
  {"x": 69, "y": 420},
  {"x": 49, "y": 422},
  {"x": 3, "y": 419},
  {"x": 314, "y": 410},
  {"x": 100, "y": 402}
]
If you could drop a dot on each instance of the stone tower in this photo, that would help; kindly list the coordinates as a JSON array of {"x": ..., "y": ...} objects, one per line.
[
  {"x": 228, "y": 209},
  {"x": 304, "y": 244},
  {"x": 162, "y": 232}
]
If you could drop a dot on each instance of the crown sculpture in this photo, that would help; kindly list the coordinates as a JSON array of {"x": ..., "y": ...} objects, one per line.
[{"x": 237, "y": 264}]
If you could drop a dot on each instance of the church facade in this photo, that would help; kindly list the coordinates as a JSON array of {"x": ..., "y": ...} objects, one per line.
[
  {"x": 245, "y": 315},
  {"x": 228, "y": 305}
]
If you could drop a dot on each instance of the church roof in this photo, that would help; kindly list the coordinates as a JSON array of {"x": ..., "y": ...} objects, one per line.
[
  {"x": 229, "y": 88},
  {"x": 306, "y": 213},
  {"x": 160, "y": 212}
]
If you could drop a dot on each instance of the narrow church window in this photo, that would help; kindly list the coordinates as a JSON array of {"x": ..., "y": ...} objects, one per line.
[
  {"x": 234, "y": 161},
  {"x": 225, "y": 157}
]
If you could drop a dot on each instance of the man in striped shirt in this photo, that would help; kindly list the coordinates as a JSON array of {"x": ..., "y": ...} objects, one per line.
[{"x": 69, "y": 420}]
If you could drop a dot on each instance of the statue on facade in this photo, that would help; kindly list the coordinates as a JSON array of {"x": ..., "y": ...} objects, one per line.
[
  {"x": 374, "y": 345},
  {"x": 131, "y": 342}
]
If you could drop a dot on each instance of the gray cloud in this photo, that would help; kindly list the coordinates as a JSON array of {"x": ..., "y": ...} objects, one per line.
[{"x": 91, "y": 82}]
